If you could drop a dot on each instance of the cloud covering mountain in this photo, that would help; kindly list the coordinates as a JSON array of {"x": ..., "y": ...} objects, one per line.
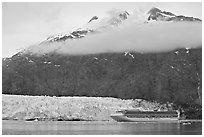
[{"x": 116, "y": 33}]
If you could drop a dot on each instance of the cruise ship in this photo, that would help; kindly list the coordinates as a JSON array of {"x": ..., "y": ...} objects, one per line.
[{"x": 146, "y": 116}]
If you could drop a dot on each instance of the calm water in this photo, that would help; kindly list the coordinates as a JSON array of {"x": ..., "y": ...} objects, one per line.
[{"x": 99, "y": 128}]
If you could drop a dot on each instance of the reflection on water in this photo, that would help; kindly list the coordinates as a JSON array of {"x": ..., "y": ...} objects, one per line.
[{"x": 100, "y": 128}]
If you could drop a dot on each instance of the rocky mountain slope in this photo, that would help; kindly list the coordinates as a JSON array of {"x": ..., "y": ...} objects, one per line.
[{"x": 158, "y": 15}]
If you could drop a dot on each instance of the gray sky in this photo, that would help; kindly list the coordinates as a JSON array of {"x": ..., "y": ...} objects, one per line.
[{"x": 25, "y": 24}]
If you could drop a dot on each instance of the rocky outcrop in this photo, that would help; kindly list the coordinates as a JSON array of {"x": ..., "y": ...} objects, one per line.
[{"x": 158, "y": 15}]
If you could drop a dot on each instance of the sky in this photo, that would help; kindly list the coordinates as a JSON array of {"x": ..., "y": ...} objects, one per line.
[{"x": 24, "y": 24}]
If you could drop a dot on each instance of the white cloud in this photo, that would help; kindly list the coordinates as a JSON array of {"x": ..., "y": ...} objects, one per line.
[{"x": 146, "y": 37}]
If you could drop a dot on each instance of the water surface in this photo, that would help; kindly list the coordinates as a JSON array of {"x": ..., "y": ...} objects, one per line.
[{"x": 98, "y": 128}]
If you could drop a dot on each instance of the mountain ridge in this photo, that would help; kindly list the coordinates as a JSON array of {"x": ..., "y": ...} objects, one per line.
[
  {"x": 158, "y": 15},
  {"x": 154, "y": 14}
]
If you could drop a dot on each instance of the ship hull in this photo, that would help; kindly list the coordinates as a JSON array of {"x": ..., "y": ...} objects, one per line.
[{"x": 123, "y": 118}]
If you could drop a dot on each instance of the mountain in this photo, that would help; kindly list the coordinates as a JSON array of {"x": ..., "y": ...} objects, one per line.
[
  {"x": 158, "y": 15},
  {"x": 80, "y": 33},
  {"x": 153, "y": 14},
  {"x": 172, "y": 76}
]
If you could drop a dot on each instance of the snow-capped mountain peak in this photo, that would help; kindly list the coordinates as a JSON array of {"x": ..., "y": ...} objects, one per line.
[
  {"x": 158, "y": 15},
  {"x": 115, "y": 18},
  {"x": 79, "y": 33},
  {"x": 94, "y": 21}
]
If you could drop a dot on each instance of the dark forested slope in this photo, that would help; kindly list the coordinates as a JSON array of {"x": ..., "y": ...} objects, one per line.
[{"x": 173, "y": 76}]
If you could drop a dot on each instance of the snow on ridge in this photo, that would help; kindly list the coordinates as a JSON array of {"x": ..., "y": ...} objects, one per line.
[
  {"x": 47, "y": 62},
  {"x": 187, "y": 50},
  {"x": 78, "y": 33},
  {"x": 127, "y": 53},
  {"x": 131, "y": 55},
  {"x": 166, "y": 15},
  {"x": 176, "y": 52}
]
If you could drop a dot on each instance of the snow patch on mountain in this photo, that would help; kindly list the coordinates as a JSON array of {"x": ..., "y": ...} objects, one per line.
[
  {"x": 127, "y": 53},
  {"x": 187, "y": 50},
  {"x": 176, "y": 52}
]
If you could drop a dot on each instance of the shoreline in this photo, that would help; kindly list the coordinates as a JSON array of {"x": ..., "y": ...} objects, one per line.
[{"x": 179, "y": 121}]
